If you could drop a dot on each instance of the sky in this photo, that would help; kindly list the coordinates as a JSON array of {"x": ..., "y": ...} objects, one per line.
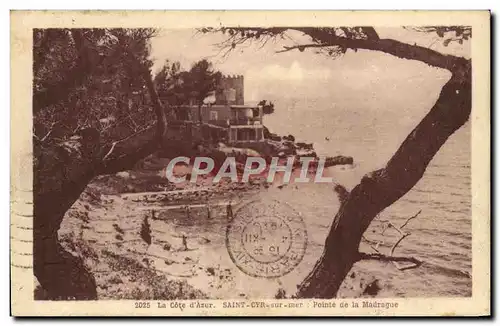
[{"x": 307, "y": 74}]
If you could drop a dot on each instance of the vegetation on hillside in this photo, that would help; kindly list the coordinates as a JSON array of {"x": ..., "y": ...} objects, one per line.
[{"x": 181, "y": 87}]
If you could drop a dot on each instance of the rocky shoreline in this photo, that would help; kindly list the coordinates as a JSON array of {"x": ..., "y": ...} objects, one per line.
[
  {"x": 286, "y": 146},
  {"x": 118, "y": 226}
]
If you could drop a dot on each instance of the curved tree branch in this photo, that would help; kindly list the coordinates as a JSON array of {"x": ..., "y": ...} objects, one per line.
[
  {"x": 327, "y": 37},
  {"x": 396, "y": 48},
  {"x": 61, "y": 173},
  {"x": 123, "y": 154},
  {"x": 379, "y": 189}
]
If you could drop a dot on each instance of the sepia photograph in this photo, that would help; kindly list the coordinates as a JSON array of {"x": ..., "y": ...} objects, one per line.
[{"x": 242, "y": 167}]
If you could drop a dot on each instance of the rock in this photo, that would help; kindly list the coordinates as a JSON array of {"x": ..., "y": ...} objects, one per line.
[
  {"x": 306, "y": 153},
  {"x": 304, "y": 145},
  {"x": 267, "y": 133},
  {"x": 115, "y": 280},
  {"x": 338, "y": 160},
  {"x": 288, "y": 148},
  {"x": 288, "y": 143},
  {"x": 280, "y": 294},
  {"x": 373, "y": 288},
  {"x": 204, "y": 240},
  {"x": 167, "y": 246},
  {"x": 274, "y": 137},
  {"x": 118, "y": 228},
  {"x": 123, "y": 174}
]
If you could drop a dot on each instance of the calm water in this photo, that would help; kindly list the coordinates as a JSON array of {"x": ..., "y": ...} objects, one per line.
[{"x": 440, "y": 235}]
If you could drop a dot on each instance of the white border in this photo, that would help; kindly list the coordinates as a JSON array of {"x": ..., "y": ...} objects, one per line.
[{"x": 145, "y": 4}]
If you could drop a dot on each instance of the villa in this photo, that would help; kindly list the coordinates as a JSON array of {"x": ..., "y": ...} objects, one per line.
[{"x": 226, "y": 108}]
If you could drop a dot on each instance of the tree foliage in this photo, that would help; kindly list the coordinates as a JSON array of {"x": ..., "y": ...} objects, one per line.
[
  {"x": 267, "y": 107},
  {"x": 90, "y": 78},
  {"x": 336, "y": 41},
  {"x": 178, "y": 87},
  {"x": 202, "y": 79},
  {"x": 449, "y": 34},
  {"x": 170, "y": 83}
]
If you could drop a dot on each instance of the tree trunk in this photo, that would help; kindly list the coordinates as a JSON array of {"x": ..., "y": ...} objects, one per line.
[
  {"x": 381, "y": 188},
  {"x": 61, "y": 173}
]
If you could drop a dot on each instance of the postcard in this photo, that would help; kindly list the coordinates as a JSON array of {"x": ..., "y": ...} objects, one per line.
[{"x": 250, "y": 163}]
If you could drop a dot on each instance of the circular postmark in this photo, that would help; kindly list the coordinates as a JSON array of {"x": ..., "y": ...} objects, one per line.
[{"x": 266, "y": 239}]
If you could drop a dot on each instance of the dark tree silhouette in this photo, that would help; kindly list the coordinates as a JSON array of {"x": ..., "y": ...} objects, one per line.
[
  {"x": 177, "y": 87},
  {"x": 73, "y": 100},
  {"x": 267, "y": 107},
  {"x": 201, "y": 80},
  {"x": 86, "y": 90},
  {"x": 170, "y": 84}
]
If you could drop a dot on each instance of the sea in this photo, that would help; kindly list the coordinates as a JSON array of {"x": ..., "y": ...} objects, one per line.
[{"x": 440, "y": 235}]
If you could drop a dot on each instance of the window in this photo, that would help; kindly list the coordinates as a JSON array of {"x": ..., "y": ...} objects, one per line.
[{"x": 213, "y": 115}]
